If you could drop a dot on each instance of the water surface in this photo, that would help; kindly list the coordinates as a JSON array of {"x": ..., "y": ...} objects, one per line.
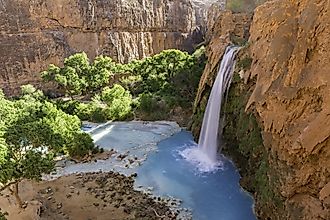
[
  {"x": 211, "y": 196},
  {"x": 153, "y": 151}
]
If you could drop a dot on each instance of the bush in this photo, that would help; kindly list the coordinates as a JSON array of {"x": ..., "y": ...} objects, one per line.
[
  {"x": 29, "y": 92},
  {"x": 28, "y": 89},
  {"x": 93, "y": 111},
  {"x": 116, "y": 92},
  {"x": 2, "y": 94},
  {"x": 119, "y": 109},
  {"x": 152, "y": 107},
  {"x": 100, "y": 73},
  {"x": 69, "y": 107},
  {"x": 132, "y": 83},
  {"x": 244, "y": 63},
  {"x": 148, "y": 103},
  {"x": 3, "y": 215},
  {"x": 78, "y": 76},
  {"x": 118, "y": 102},
  {"x": 81, "y": 145}
]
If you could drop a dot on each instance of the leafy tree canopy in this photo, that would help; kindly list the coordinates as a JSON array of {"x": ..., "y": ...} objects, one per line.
[
  {"x": 79, "y": 76},
  {"x": 32, "y": 131}
]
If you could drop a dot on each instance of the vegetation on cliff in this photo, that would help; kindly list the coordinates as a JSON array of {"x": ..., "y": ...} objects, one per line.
[
  {"x": 2, "y": 215},
  {"x": 244, "y": 143}
]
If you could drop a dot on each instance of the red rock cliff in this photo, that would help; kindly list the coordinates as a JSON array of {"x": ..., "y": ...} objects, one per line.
[
  {"x": 36, "y": 33},
  {"x": 289, "y": 46}
]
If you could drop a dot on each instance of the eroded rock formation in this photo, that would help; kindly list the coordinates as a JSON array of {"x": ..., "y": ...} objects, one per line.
[
  {"x": 289, "y": 50},
  {"x": 291, "y": 57},
  {"x": 36, "y": 33}
]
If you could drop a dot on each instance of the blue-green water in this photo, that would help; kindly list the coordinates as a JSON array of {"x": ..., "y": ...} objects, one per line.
[
  {"x": 157, "y": 146},
  {"x": 211, "y": 196}
]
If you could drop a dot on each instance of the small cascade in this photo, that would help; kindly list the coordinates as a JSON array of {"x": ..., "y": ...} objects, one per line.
[{"x": 205, "y": 155}]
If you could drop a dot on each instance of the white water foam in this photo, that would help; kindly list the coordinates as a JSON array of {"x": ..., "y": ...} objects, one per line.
[{"x": 200, "y": 160}]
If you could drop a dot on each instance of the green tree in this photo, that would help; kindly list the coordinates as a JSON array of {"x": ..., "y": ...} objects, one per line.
[
  {"x": 100, "y": 72},
  {"x": 32, "y": 131},
  {"x": 21, "y": 155},
  {"x": 78, "y": 76},
  {"x": 118, "y": 102},
  {"x": 72, "y": 77}
]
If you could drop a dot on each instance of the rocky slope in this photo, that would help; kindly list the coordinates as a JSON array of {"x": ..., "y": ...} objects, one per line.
[
  {"x": 36, "y": 33},
  {"x": 286, "y": 87}
]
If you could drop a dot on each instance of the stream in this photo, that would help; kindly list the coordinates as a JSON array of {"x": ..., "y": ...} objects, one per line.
[{"x": 153, "y": 151}]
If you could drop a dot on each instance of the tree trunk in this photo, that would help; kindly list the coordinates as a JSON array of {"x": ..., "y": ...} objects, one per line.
[{"x": 15, "y": 193}]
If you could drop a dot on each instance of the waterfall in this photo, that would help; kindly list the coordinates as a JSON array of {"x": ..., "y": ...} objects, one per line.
[{"x": 205, "y": 155}]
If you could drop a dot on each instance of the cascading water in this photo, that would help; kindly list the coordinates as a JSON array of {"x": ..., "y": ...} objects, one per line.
[{"x": 205, "y": 155}]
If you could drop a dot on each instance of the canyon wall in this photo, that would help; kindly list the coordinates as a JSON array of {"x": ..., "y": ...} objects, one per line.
[
  {"x": 35, "y": 33},
  {"x": 281, "y": 96},
  {"x": 291, "y": 57}
]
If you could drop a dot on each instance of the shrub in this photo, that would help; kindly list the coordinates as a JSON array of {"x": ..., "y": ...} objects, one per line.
[
  {"x": 30, "y": 92},
  {"x": 119, "y": 109},
  {"x": 100, "y": 72},
  {"x": 28, "y": 89},
  {"x": 69, "y": 107},
  {"x": 244, "y": 63},
  {"x": 78, "y": 76},
  {"x": 81, "y": 145},
  {"x": 3, "y": 215},
  {"x": 132, "y": 83},
  {"x": 118, "y": 102},
  {"x": 148, "y": 103},
  {"x": 2, "y": 94},
  {"x": 92, "y": 111},
  {"x": 116, "y": 92}
]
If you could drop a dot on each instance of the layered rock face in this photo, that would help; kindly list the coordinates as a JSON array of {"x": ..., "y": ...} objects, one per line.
[
  {"x": 291, "y": 57},
  {"x": 36, "y": 33},
  {"x": 289, "y": 74}
]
